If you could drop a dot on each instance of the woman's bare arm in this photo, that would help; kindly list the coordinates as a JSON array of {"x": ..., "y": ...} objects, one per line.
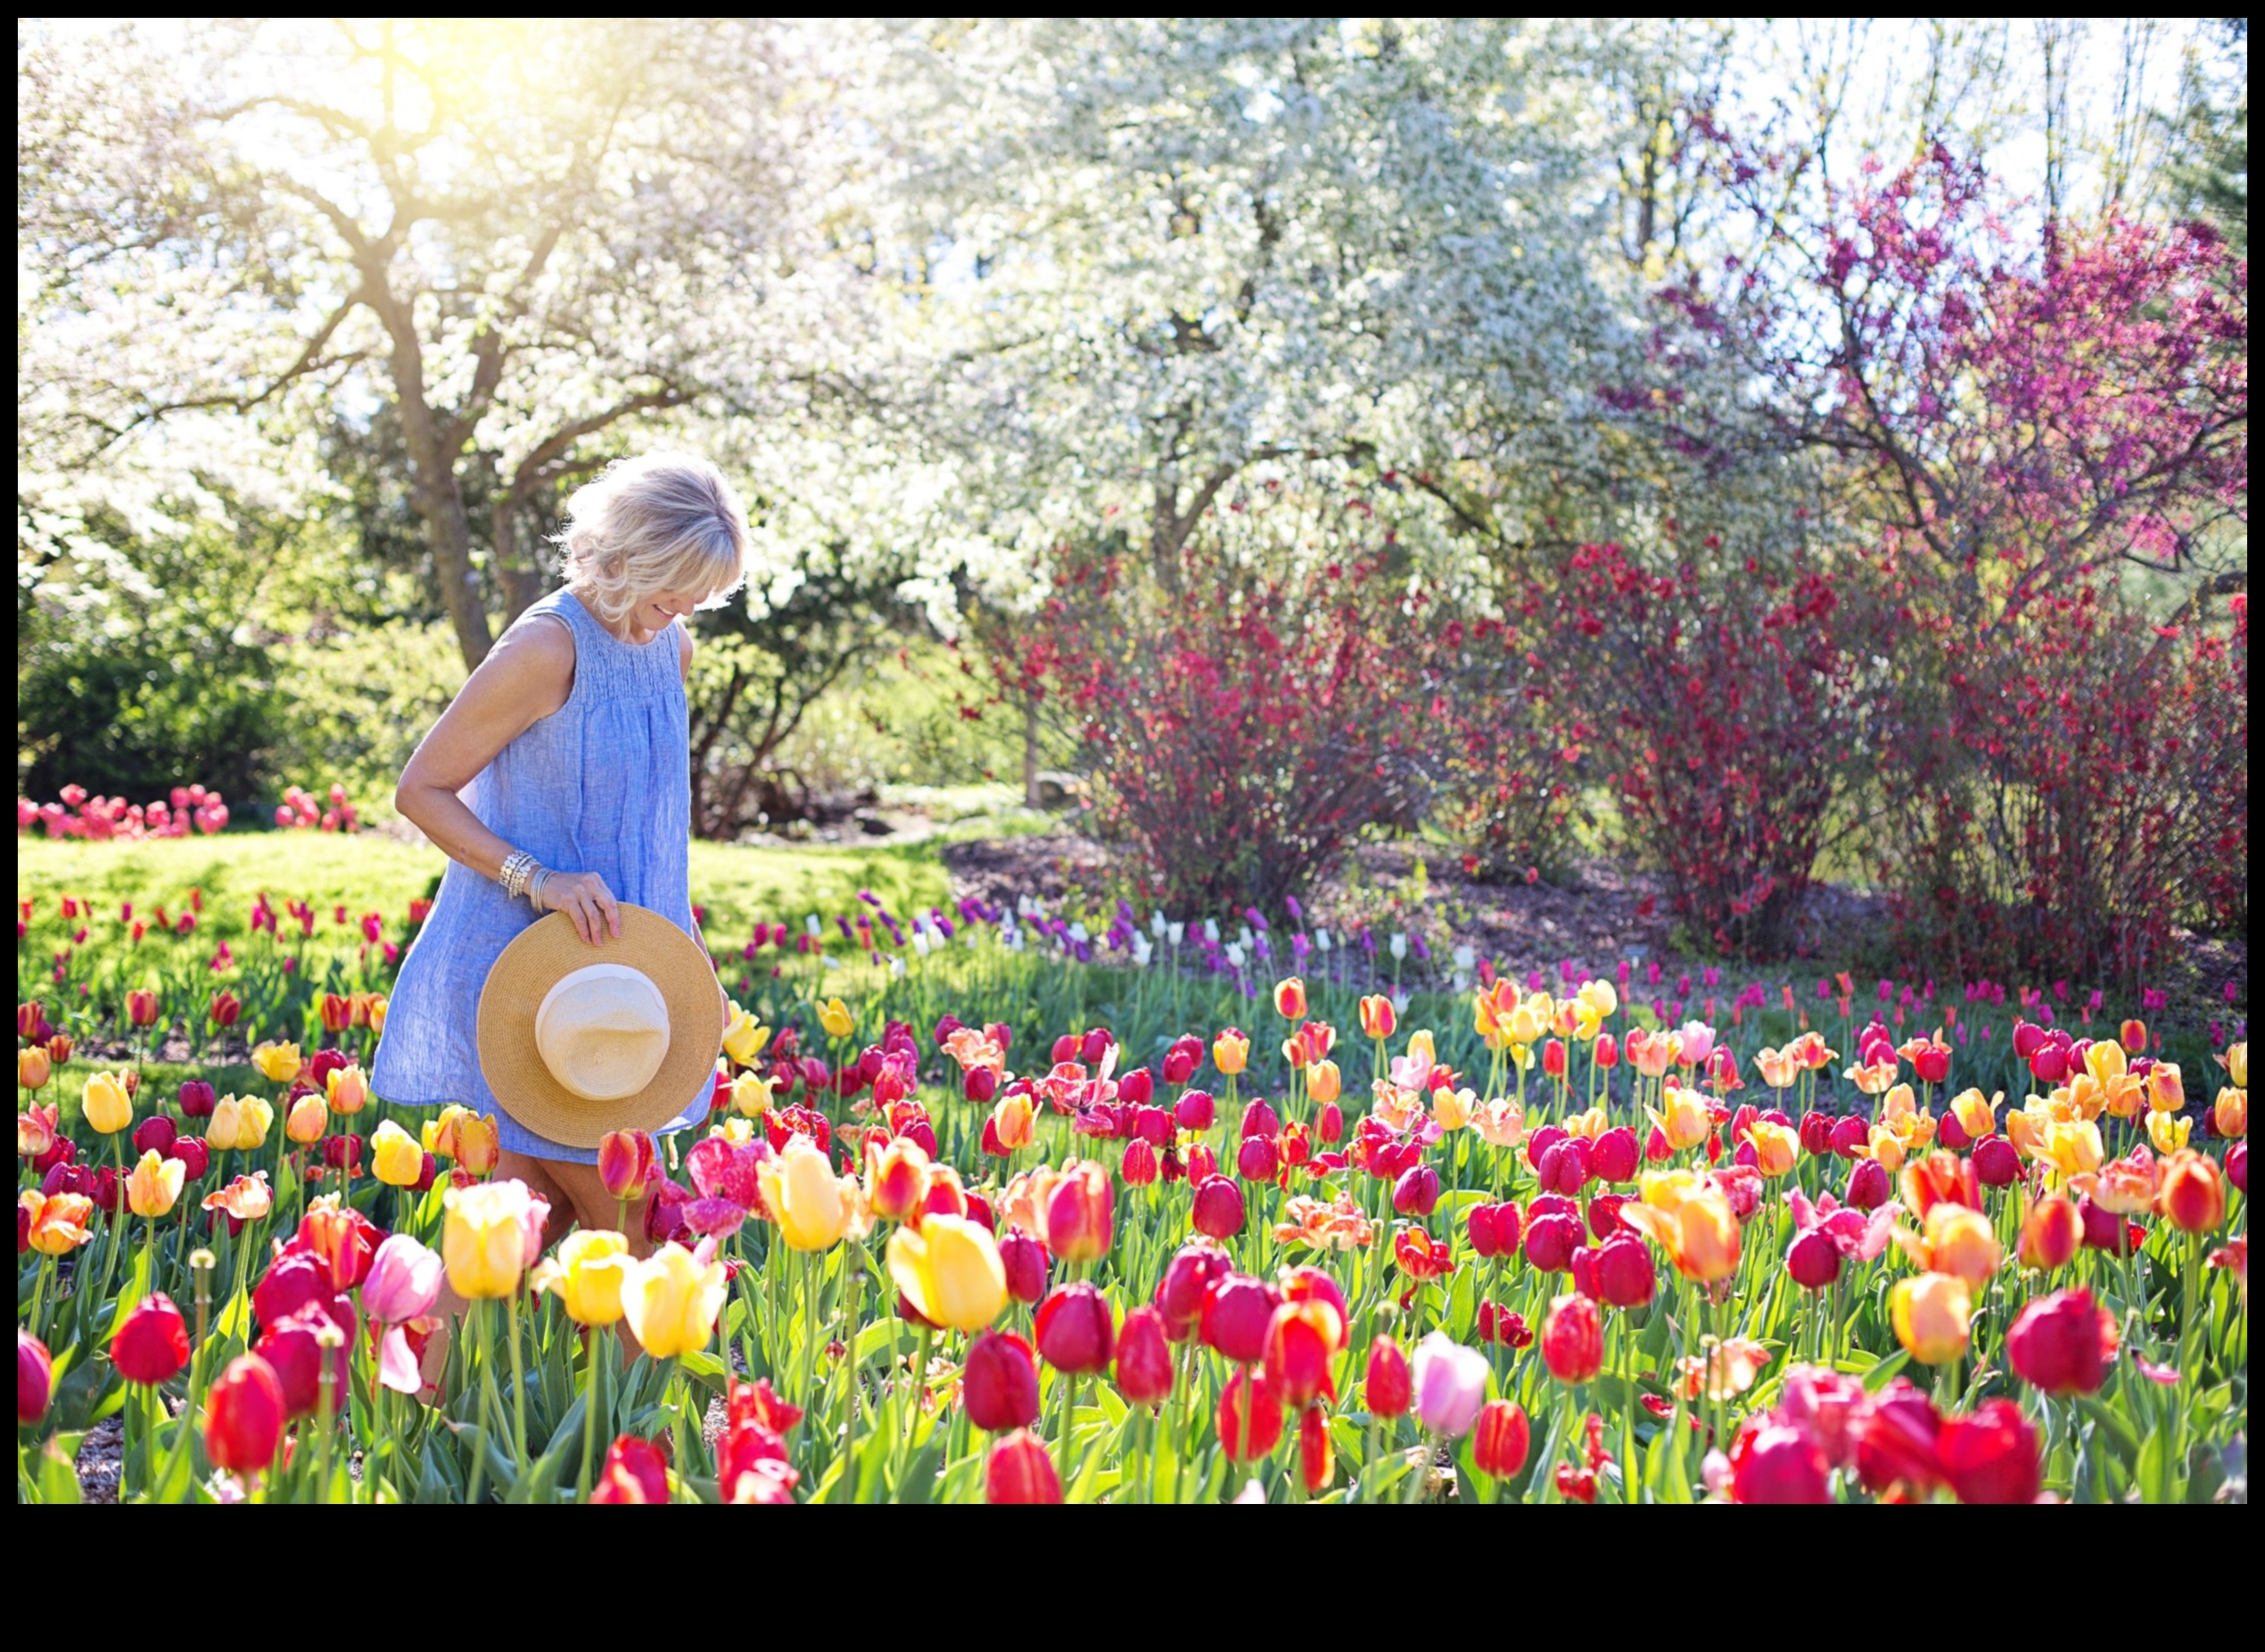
[{"x": 525, "y": 677}]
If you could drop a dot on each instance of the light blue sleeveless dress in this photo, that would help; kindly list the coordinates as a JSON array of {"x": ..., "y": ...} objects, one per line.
[{"x": 602, "y": 784}]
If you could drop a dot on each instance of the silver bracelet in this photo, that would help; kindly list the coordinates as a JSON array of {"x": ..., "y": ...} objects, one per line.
[
  {"x": 512, "y": 876},
  {"x": 535, "y": 887}
]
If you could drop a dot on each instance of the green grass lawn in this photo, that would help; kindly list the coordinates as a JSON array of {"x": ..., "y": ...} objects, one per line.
[{"x": 368, "y": 873}]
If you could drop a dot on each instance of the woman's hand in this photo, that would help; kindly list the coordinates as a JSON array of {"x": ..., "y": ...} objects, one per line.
[{"x": 583, "y": 897}]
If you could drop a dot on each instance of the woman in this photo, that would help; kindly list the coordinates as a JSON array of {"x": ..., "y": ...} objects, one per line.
[{"x": 569, "y": 744}]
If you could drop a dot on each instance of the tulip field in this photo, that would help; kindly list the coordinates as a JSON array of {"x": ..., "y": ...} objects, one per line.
[{"x": 1221, "y": 1215}]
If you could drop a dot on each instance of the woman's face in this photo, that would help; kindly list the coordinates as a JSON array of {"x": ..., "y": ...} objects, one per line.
[{"x": 655, "y": 613}]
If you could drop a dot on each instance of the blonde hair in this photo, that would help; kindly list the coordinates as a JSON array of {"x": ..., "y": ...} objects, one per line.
[{"x": 666, "y": 522}]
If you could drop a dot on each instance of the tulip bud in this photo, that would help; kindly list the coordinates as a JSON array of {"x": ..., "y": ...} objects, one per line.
[
  {"x": 1289, "y": 998},
  {"x": 1929, "y": 1314},
  {"x": 33, "y": 1068},
  {"x": 1607, "y": 1051},
  {"x": 999, "y": 1382},
  {"x": 35, "y": 1378},
  {"x": 1024, "y": 1261},
  {"x": 154, "y": 1134},
  {"x": 1020, "y": 1470},
  {"x": 1218, "y": 1208},
  {"x": 152, "y": 1342},
  {"x": 1073, "y": 1329},
  {"x": 1237, "y": 1311},
  {"x": 1450, "y": 1386},
  {"x": 1250, "y": 1417},
  {"x": 1139, "y": 1166},
  {"x": 2051, "y": 1232},
  {"x": 1195, "y": 1110},
  {"x": 244, "y": 1416},
  {"x": 1551, "y": 1238},
  {"x": 104, "y": 1104},
  {"x": 1996, "y": 1162},
  {"x": 1991, "y": 1455},
  {"x": 1814, "y": 1261},
  {"x": 1625, "y": 1276},
  {"x": 1258, "y": 1159},
  {"x": 1500, "y": 1439},
  {"x": 1144, "y": 1359},
  {"x": 1773, "y": 1463},
  {"x": 1387, "y": 1388},
  {"x": 2193, "y": 1194},
  {"x": 1187, "y": 1281},
  {"x": 1868, "y": 1186},
  {"x": 1573, "y": 1339},
  {"x": 626, "y": 1166},
  {"x": 2064, "y": 1344},
  {"x": 1416, "y": 1193}
]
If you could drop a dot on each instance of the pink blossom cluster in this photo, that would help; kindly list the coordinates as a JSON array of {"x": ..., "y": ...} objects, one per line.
[{"x": 79, "y": 815}]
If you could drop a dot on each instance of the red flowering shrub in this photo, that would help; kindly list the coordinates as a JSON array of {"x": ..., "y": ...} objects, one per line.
[
  {"x": 1245, "y": 726},
  {"x": 2088, "y": 790},
  {"x": 1722, "y": 703}
]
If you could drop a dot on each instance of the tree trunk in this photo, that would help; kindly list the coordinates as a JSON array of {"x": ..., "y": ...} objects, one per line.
[{"x": 1030, "y": 751}]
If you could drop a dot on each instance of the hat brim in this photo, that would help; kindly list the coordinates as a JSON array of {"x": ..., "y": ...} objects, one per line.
[{"x": 533, "y": 963}]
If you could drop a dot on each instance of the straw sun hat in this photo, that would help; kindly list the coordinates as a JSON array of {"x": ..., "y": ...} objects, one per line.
[{"x": 576, "y": 1040}]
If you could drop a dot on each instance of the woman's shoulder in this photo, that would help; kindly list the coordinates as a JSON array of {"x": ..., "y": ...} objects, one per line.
[
  {"x": 535, "y": 655},
  {"x": 684, "y": 647}
]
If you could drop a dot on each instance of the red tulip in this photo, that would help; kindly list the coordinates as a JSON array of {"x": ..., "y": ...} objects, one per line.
[
  {"x": 1550, "y": 1239},
  {"x": 999, "y": 1385},
  {"x": 1389, "y": 1390},
  {"x": 1773, "y": 1463},
  {"x": 1625, "y": 1276},
  {"x": 1500, "y": 1438},
  {"x": 1868, "y": 1186},
  {"x": 244, "y": 1415},
  {"x": 1181, "y": 1062},
  {"x": 2064, "y": 1344},
  {"x": 35, "y": 1378},
  {"x": 1573, "y": 1339},
  {"x": 1249, "y": 1396},
  {"x": 1139, "y": 1167},
  {"x": 1604, "y": 1215},
  {"x": 1851, "y": 1134},
  {"x": 1301, "y": 1339},
  {"x": 294, "y": 1349},
  {"x": 1143, "y": 1359},
  {"x": 1195, "y": 1110},
  {"x": 1080, "y": 1214},
  {"x": 1896, "y": 1437},
  {"x": 1553, "y": 1058},
  {"x": 1024, "y": 1261},
  {"x": 1316, "y": 1457},
  {"x": 1991, "y": 1456},
  {"x": 634, "y": 1473},
  {"x": 1237, "y": 1310},
  {"x": 1493, "y": 1228},
  {"x": 196, "y": 1098},
  {"x": 1814, "y": 1261},
  {"x": 1257, "y": 1159},
  {"x": 1020, "y": 1470},
  {"x": 155, "y": 1133},
  {"x": 1187, "y": 1281},
  {"x": 626, "y": 1166},
  {"x": 151, "y": 1343},
  {"x": 1614, "y": 1156},
  {"x": 1218, "y": 1208},
  {"x": 225, "y": 1007},
  {"x": 1996, "y": 1162},
  {"x": 1073, "y": 1329}
]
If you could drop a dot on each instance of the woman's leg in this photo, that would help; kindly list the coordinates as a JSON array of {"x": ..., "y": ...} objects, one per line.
[{"x": 581, "y": 1189}]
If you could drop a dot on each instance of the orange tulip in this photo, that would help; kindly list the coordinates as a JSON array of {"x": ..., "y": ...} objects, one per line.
[
  {"x": 1378, "y": 1019},
  {"x": 2166, "y": 1088},
  {"x": 1324, "y": 1082},
  {"x": 2130, "y": 1185},
  {"x": 57, "y": 1222},
  {"x": 1931, "y": 1315},
  {"x": 897, "y": 1177},
  {"x": 1231, "y": 1051},
  {"x": 33, "y": 1068},
  {"x": 1776, "y": 1148},
  {"x": 2193, "y": 1198},
  {"x": 2230, "y": 1114},
  {"x": 1289, "y": 998},
  {"x": 1977, "y": 1117},
  {"x": 478, "y": 1143},
  {"x": 2051, "y": 1232},
  {"x": 1957, "y": 1241},
  {"x": 1685, "y": 1122},
  {"x": 1688, "y": 1216}
]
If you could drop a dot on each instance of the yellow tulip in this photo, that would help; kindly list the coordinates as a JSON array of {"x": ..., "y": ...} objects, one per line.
[
  {"x": 104, "y": 1104},
  {"x": 804, "y": 1196},
  {"x": 308, "y": 1119},
  {"x": 587, "y": 1275},
  {"x": 1962, "y": 1242},
  {"x": 2230, "y": 1114},
  {"x": 278, "y": 1064},
  {"x": 1525, "y": 1025},
  {"x": 2103, "y": 1060},
  {"x": 33, "y": 1068},
  {"x": 1886, "y": 1146},
  {"x": 1930, "y": 1313},
  {"x": 1589, "y": 1125},
  {"x": 2168, "y": 1131},
  {"x": 377, "y": 1013},
  {"x": 750, "y": 1096},
  {"x": 949, "y": 1269},
  {"x": 1452, "y": 1109},
  {"x": 1778, "y": 1068},
  {"x": 743, "y": 1039},
  {"x": 438, "y": 1134},
  {"x": 1776, "y": 1148},
  {"x": 2166, "y": 1088},
  {"x": 395, "y": 1156},
  {"x": 347, "y": 1090},
  {"x": 239, "y": 1122},
  {"x": 1977, "y": 1117},
  {"x": 1689, "y": 1218},
  {"x": 2237, "y": 1062},
  {"x": 1685, "y": 1122},
  {"x": 833, "y": 1016},
  {"x": 2070, "y": 1148},
  {"x": 493, "y": 1230},
  {"x": 1231, "y": 1052},
  {"x": 153, "y": 1186},
  {"x": 1011, "y": 1120},
  {"x": 1324, "y": 1082},
  {"x": 671, "y": 1300}
]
